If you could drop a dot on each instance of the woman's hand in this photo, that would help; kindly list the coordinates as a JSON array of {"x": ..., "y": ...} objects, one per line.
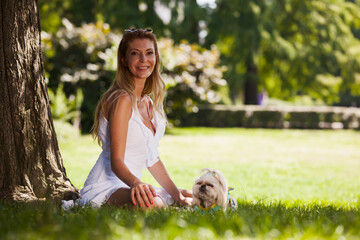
[
  {"x": 142, "y": 194},
  {"x": 186, "y": 198},
  {"x": 185, "y": 201}
]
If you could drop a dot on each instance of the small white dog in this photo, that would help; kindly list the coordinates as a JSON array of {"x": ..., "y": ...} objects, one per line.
[{"x": 210, "y": 191}]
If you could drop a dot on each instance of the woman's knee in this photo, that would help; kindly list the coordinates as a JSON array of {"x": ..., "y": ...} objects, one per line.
[
  {"x": 120, "y": 197},
  {"x": 158, "y": 203}
]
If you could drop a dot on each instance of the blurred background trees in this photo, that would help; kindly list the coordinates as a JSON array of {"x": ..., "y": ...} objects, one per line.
[{"x": 224, "y": 51}]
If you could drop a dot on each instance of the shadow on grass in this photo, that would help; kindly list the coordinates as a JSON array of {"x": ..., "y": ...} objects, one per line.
[{"x": 254, "y": 220}]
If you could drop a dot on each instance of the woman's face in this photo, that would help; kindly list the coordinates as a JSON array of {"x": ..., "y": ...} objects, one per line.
[{"x": 140, "y": 58}]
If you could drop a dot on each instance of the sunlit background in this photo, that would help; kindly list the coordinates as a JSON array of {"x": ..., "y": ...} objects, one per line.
[{"x": 267, "y": 53}]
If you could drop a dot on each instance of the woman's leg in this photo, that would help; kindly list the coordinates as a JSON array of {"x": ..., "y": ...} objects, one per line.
[{"x": 122, "y": 197}]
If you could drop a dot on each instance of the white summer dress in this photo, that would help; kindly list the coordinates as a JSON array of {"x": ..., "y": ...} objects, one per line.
[{"x": 141, "y": 152}]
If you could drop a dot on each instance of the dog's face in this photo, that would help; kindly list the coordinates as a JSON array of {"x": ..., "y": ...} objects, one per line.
[{"x": 210, "y": 188}]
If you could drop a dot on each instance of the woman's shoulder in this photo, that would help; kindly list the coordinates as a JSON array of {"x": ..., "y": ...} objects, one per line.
[
  {"x": 122, "y": 105},
  {"x": 124, "y": 98}
]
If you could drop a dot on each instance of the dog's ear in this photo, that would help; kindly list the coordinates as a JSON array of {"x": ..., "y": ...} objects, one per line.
[
  {"x": 206, "y": 170},
  {"x": 221, "y": 197},
  {"x": 223, "y": 192},
  {"x": 222, "y": 180}
]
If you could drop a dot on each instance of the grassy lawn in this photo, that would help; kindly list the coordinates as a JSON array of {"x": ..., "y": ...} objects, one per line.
[
  {"x": 300, "y": 184},
  {"x": 267, "y": 165}
]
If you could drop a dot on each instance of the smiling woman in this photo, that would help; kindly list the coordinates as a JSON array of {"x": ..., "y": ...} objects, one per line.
[
  {"x": 129, "y": 122},
  {"x": 140, "y": 59}
]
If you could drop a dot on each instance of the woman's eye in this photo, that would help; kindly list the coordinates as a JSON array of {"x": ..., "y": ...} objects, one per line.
[
  {"x": 150, "y": 53},
  {"x": 133, "y": 53}
]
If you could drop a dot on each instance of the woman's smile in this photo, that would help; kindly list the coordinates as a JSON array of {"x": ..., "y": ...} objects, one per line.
[{"x": 143, "y": 68}]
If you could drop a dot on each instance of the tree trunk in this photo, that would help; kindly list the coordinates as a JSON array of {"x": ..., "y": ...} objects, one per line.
[
  {"x": 31, "y": 166},
  {"x": 251, "y": 88}
]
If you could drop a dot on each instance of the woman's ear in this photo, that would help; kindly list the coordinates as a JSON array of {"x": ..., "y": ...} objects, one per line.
[{"x": 123, "y": 61}]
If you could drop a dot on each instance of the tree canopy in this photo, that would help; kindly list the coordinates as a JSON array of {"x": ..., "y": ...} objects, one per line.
[
  {"x": 299, "y": 47},
  {"x": 288, "y": 48}
]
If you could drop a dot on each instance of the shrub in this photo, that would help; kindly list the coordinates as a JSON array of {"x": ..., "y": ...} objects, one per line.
[
  {"x": 306, "y": 119},
  {"x": 274, "y": 117},
  {"x": 265, "y": 119},
  {"x": 192, "y": 76},
  {"x": 65, "y": 131},
  {"x": 78, "y": 62},
  {"x": 215, "y": 116}
]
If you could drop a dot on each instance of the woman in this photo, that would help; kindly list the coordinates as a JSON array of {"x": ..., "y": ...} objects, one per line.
[{"x": 129, "y": 124}]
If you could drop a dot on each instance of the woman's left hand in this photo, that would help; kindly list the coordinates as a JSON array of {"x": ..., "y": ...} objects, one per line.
[{"x": 185, "y": 201}]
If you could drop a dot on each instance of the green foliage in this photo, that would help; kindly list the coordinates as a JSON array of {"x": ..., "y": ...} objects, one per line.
[
  {"x": 265, "y": 119},
  {"x": 239, "y": 42},
  {"x": 274, "y": 117},
  {"x": 77, "y": 68},
  {"x": 289, "y": 48},
  {"x": 66, "y": 109},
  {"x": 298, "y": 47},
  {"x": 304, "y": 120},
  {"x": 192, "y": 75},
  {"x": 130, "y": 13},
  {"x": 51, "y": 13},
  {"x": 65, "y": 131},
  {"x": 326, "y": 62},
  {"x": 215, "y": 116},
  {"x": 187, "y": 22},
  {"x": 178, "y": 19}
]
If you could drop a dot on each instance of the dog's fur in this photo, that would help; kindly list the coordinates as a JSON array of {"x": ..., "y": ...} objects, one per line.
[{"x": 209, "y": 189}]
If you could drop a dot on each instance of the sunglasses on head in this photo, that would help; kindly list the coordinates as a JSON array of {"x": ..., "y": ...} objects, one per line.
[{"x": 139, "y": 29}]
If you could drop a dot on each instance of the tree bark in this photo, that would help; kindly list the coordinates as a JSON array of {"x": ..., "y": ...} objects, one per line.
[
  {"x": 251, "y": 88},
  {"x": 31, "y": 166}
]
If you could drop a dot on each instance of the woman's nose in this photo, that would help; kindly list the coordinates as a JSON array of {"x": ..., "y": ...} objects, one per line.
[{"x": 142, "y": 57}]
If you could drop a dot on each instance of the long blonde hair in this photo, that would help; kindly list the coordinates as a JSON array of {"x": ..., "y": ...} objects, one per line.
[{"x": 124, "y": 82}]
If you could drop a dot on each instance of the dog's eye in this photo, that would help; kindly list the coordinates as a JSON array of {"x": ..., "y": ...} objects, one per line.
[
  {"x": 199, "y": 183},
  {"x": 210, "y": 185}
]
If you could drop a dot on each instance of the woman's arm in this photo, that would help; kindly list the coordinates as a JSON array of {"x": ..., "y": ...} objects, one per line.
[
  {"x": 119, "y": 120},
  {"x": 161, "y": 175}
]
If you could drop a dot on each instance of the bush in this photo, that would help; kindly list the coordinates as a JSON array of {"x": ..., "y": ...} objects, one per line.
[
  {"x": 215, "y": 116},
  {"x": 192, "y": 77},
  {"x": 265, "y": 119},
  {"x": 78, "y": 66},
  {"x": 350, "y": 120},
  {"x": 274, "y": 117},
  {"x": 308, "y": 120}
]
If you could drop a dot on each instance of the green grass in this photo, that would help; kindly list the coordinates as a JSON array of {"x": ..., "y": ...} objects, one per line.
[
  {"x": 281, "y": 165},
  {"x": 250, "y": 221},
  {"x": 298, "y": 184}
]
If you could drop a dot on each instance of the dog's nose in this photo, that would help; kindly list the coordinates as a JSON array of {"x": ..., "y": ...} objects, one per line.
[{"x": 203, "y": 188}]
